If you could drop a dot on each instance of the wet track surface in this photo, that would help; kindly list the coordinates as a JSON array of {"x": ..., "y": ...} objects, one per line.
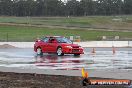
[{"x": 102, "y": 59}]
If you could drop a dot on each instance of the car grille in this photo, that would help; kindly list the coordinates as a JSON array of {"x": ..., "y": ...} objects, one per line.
[
  {"x": 75, "y": 46},
  {"x": 75, "y": 50}
]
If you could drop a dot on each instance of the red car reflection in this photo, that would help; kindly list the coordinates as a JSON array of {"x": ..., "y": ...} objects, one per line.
[
  {"x": 58, "y": 63},
  {"x": 57, "y": 44}
]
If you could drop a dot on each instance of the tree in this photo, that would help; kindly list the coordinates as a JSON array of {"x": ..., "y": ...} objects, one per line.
[
  {"x": 127, "y": 6},
  {"x": 6, "y": 7},
  {"x": 72, "y": 7},
  {"x": 69, "y": 8},
  {"x": 109, "y": 7},
  {"x": 89, "y": 7}
]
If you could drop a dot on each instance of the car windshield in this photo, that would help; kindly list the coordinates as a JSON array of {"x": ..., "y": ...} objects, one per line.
[{"x": 63, "y": 40}]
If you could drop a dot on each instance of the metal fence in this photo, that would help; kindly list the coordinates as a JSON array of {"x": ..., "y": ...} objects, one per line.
[
  {"x": 27, "y": 37},
  {"x": 18, "y": 37}
]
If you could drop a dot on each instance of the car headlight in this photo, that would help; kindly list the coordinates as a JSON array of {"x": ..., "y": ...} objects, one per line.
[
  {"x": 68, "y": 46},
  {"x": 80, "y": 47}
]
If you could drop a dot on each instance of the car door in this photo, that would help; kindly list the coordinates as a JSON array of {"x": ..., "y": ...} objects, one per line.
[
  {"x": 44, "y": 45},
  {"x": 52, "y": 45}
]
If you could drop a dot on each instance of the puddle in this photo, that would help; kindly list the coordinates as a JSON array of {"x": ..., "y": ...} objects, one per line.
[{"x": 103, "y": 59}]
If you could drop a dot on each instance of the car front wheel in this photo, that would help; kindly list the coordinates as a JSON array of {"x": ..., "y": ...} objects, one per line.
[
  {"x": 39, "y": 51},
  {"x": 76, "y": 54},
  {"x": 59, "y": 51}
]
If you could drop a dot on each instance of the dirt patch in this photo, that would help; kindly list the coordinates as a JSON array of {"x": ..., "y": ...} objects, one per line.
[
  {"x": 98, "y": 27},
  {"x": 17, "y": 80},
  {"x": 23, "y": 80},
  {"x": 7, "y": 46}
]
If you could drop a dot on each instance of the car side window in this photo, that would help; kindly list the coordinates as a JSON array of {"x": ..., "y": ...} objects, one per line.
[
  {"x": 45, "y": 40},
  {"x": 58, "y": 40}
]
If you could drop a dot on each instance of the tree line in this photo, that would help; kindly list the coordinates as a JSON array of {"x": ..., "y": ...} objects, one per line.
[{"x": 61, "y": 8}]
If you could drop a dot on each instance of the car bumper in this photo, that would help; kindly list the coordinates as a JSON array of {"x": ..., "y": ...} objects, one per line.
[{"x": 73, "y": 51}]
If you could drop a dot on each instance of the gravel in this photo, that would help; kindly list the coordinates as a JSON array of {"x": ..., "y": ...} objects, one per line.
[{"x": 26, "y": 80}]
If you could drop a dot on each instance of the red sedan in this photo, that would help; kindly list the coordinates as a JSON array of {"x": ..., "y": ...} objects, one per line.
[{"x": 57, "y": 44}]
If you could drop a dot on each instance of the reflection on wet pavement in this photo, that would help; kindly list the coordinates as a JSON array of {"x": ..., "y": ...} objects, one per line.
[{"x": 26, "y": 58}]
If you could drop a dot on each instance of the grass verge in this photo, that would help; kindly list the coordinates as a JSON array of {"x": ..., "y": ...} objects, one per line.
[
  {"x": 99, "y": 22},
  {"x": 19, "y": 33}
]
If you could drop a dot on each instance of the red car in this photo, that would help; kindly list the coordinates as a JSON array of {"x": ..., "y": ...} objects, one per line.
[{"x": 57, "y": 44}]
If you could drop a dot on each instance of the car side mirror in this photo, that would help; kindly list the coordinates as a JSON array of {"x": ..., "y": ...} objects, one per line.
[{"x": 37, "y": 40}]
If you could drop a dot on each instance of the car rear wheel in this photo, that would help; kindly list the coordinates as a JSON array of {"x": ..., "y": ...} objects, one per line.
[
  {"x": 59, "y": 51},
  {"x": 39, "y": 51}
]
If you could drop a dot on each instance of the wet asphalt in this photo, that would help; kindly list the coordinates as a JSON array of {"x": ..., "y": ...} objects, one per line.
[{"x": 103, "y": 58}]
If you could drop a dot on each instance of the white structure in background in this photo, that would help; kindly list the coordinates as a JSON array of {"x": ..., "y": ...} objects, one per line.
[{"x": 83, "y": 44}]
